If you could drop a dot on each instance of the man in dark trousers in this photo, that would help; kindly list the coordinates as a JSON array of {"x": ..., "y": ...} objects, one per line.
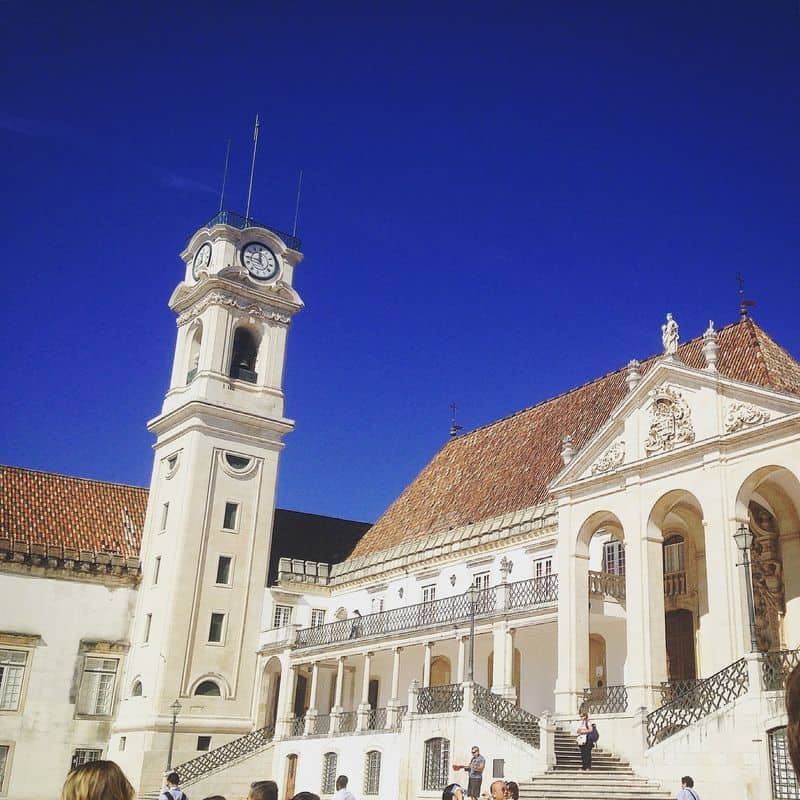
[{"x": 475, "y": 770}]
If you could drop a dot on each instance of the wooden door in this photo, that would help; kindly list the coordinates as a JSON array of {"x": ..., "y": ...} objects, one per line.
[
  {"x": 679, "y": 629},
  {"x": 291, "y": 775},
  {"x": 300, "y": 704}
]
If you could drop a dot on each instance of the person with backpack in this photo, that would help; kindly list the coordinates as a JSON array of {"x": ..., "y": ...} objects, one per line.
[
  {"x": 687, "y": 792},
  {"x": 173, "y": 790},
  {"x": 584, "y": 745}
]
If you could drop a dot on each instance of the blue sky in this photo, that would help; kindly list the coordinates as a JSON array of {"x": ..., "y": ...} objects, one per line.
[{"x": 501, "y": 201}]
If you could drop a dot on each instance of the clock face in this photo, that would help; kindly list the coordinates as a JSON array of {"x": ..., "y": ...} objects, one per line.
[
  {"x": 260, "y": 261},
  {"x": 201, "y": 260}
]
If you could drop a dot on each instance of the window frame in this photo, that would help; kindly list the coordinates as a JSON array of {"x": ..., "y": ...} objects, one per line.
[
  {"x": 5, "y": 771},
  {"x": 543, "y": 567},
  {"x": 204, "y": 739},
  {"x": 148, "y": 627},
  {"x": 156, "y": 570},
  {"x": 236, "y": 506},
  {"x": 164, "y": 517},
  {"x": 81, "y": 710},
  {"x": 330, "y": 766},
  {"x": 317, "y": 617},
  {"x": 372, "y": 773},
  {"x": 277, "y": 609},
  {"x": 6, "y": 666},
  {"x": 75, "y": 750},
  {"x": 229, "y": 582},
  {"x": 435, "y": 775},
  {"x": 618, "y": 548},
  {"x": 480, "y": 580},
  {"x": 223, "y": 630},
  {"x": 781, "y": 772},
  {"x": 429, "y": 593}
]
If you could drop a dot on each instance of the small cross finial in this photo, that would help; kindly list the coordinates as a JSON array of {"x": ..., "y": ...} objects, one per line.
[
  {"x": 454, "y": 426},
  {"x": 744, "y": 304}
]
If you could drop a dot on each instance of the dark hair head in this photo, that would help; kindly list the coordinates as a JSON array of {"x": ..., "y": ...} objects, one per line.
[
  {"x": 214, "y": 797},
  {"x": 341, "y": 782},
  {"x": 173, "y": 778},
  {"x": 513, "y": 789},
  {"x": 263, "y": 790},
  {"x": 687, "y": 780},
  {"x": 793, "y": 711},
  {"x": 306, "y": 796}
]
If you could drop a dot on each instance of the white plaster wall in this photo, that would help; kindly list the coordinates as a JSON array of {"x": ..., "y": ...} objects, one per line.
[
  {"x": 538, "y": 666},
  {"x": 44, "y": 731}
]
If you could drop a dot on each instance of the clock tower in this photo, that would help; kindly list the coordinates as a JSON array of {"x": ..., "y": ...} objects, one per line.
[{"x": 206, "y": 540}]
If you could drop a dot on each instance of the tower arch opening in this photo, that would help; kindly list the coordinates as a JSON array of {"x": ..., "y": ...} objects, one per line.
[{"x": 244, "y": 355}]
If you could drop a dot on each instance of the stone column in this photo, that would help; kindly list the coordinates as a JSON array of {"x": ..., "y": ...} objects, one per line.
[
  {"x": 462, "y": 653},
  {"x": 394, "y": 701},
  {"x": 336, "y": 711},
  {"x": 286, "y": 699},
  {"x": 508, "y": 680},
  {"x": 364, "y": 707},
  {"x": 311, "y": 714},
  {"x": 426, "y": 665},
  {"x": 499, "y": 657}
]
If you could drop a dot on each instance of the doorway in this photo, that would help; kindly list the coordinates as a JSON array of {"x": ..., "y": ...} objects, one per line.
[
  {"x": 679, "y": 630},
  {"x": 291, "y": 775},
  {"x": 300, "y": 704}
]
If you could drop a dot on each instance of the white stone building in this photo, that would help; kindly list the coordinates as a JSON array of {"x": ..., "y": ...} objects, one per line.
[{"x": 579, "y": 552}]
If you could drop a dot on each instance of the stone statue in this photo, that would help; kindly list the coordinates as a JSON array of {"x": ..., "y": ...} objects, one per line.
[{"x": 669, "y": 336}]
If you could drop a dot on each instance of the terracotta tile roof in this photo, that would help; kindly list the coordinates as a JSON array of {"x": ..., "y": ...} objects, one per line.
[
  {"x": 42, "y": 508},
  {"x": 509, "y": 464}
]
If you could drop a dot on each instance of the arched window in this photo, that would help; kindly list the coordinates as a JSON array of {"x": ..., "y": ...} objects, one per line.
[
  {"x": 136, "y": 689},
  {"x": 243, "y": 356},
  {"x": 784, "y": 783},
  {"x": 436, "y": 766},
  {"x": 329, "y": 766},
  {"x": 674, "y": 559},
  {"x": 207, "y": 689},
  {"x": 372, "y": 772},
  {"x": 194, "y": 353},
  {"x": 440, "y": 671}
]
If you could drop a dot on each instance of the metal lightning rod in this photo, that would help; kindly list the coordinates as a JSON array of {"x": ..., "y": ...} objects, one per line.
[
  {"x": 252, "y": 167},
  {"x": 297, "y": 204},
  {"x": 225, "y": 175}
]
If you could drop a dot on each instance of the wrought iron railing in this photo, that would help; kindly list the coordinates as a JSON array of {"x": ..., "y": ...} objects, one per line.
[
  {"x": 239, "y": 221},
  {"x": 675, "y": 584},
  {"x": 222, "y": 756},
  {"x": 708, "y": 695},
  {"x": 401, "y": 715},
  {"x": 533, "y": 592},
  {"x": 604, "y": 700},
  {"x": 440, "y": 699},
  {"x": 607, "y": 584},
  {"x": 322, "y": 724},
  {"x": 347, "y": 721},
  {"x": 376, "y": 720},
  {"x": 776, "y": 666},
  {"x": 421, "y": 615},
  {"x": 297, "y": 726},
  {"x": 506, "y": 715},
  {"x": 672, "y": 690}
]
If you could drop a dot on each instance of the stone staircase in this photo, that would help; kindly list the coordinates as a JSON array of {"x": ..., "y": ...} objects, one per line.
[{"x": 610, "y": 778}]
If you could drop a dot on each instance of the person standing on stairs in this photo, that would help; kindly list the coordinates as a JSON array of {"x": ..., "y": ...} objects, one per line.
[
  {"x": 584, "y": 744},
  {"x": 687, "y": 792}
]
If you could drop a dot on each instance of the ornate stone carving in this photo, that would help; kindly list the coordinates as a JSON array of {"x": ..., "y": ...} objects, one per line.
[
  {"x": 710, "y": 347},
  {"x": 567, "y": 450},
  {"x": 669, "y": 336},
  {"x": 769, "y": 596},
  {"x": 611, "y": 459},
  {"x": 222, "y": 299},
  {"x": 743, "y": 415},
  {"x": 670, "y": 421},
  {"x": 633, "y": 375}
]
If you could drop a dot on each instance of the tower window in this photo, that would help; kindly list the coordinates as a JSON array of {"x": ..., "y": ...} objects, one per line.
[
  {"x": 136, "y": 689},
  {"x": 243, "y": 357},
  {"x": 203, "y": 742},
  {"x": 216, "y": 627},
  {"x": 164, "y": 516},
  {"x": 237, "y": 462},
  {"x": 148, "y": 621},
  {"x": 156, "y": 569},
  {"x": 224, "y": 570},
  {"x": 123, "y": 740},
  {"x": 207, "y": 689},
  {"x": 230, "y": 518}
]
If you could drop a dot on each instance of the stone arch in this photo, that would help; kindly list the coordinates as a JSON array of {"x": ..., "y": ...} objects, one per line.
[
  {"x": 269, "y": 692},
  {"x": 202, "y": 686},
  {"x": 193, "y": 355},
  {"x": 441, "y": 671},
  {"x": 244, "y": 354},
  {"x": 768, "y": 501}
]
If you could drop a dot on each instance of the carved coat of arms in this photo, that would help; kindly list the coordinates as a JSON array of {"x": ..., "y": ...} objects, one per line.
[{"x": 670, "y": 421}]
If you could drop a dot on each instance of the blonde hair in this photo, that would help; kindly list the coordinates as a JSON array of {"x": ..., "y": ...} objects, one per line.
[{"x": 97, "y": 780}]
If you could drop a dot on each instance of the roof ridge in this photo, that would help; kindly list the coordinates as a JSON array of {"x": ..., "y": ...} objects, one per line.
[
  {"x": 72, "y": 477},
  {"x": 756, "y": 331}
]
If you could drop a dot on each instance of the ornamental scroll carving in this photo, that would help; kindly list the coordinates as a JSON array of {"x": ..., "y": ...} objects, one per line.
[
  {"x": 670, "y": 421},
  {"x": 769, "y": 593},
  {"x": 611, "y": 459},
  {"x": 222, "y": 299},
  {"x": 743, "y": 415}
]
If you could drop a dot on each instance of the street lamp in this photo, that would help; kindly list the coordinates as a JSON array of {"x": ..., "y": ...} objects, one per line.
[
  {"x": 744, "y": 541},
  {"x": 176, "y": 709},
  {"x": 471, "y": 594}
]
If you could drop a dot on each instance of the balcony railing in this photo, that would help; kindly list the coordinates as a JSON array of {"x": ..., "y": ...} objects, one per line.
[
  {"x": 607, "y": 584},
  {"x": 376, "y": 720},
  {"x": 440, "y": 699},
  {"x": 675, "y": 584},
  {"x": 604, "y": 700},
  {"x": 401, "y": 714},
  {"x": 322, "y": 725},
  {"x": 508, "y": 716},
  {"x": 532, "y": 593},
  {"x": 776, "y": 666},
  {"x": 238, "y": 221},
  {"x": 347, "y": 722},
  {"x": 298, "y": 726}
]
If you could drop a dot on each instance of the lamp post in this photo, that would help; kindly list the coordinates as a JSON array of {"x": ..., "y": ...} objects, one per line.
[
  {"x": 176, "y": 709},
  {"x": 744, "y": 541},
  {"x": 471, "y": 593}
]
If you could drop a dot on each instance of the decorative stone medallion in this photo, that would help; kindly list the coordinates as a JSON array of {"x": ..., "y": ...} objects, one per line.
[
  {"x": 743, "y": 415},
  {"x": 670, "y": 421},
  {"x": 611, "y": 459}
]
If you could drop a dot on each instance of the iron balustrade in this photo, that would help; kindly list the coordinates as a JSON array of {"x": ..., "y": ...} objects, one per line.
[
  {"x": 533, "y": 592},
  {"x": 322, "y": 724},
  {"x": 706, "y": 696},
  {"x": 239, "y": 221},
  {"x": 376, "y": 720},
  {"x": 672, "y": 690},
  {"x": 776, "y": 666},
  {"x": 225, "y": 754},
  {"x": 440, "y": 699},
  {"x": 347, "y": 721},
  {"x": 608, "y": 584},
  {"x": 506, "y": 715},
  {"x": 401, "y": 714},
  {"x": 675, "y": 584},
  {"x": 604, "y": 700},
  {"x": 298, "y": 726}
]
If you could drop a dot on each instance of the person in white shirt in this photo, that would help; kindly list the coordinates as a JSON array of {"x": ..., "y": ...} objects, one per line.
[
  {"x": 687, "y": 792},
  {"x": 342, "y": 792}
]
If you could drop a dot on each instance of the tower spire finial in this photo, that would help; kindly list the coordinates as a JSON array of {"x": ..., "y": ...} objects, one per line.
[
  {"x": 252, "y": 166},
  {"x": 744, "y": 303},
  {"x": 454, "y": 426}
]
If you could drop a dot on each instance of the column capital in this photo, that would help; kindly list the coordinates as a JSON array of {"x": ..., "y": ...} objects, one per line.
[{"x": 397, "y": 649}]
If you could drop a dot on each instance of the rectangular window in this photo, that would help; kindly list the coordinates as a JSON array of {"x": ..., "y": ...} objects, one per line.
[
  {"x": 673, "y": 558},
  {"x": 224, "y": 570},
  {"x": 376, "y": 605},
  {"x": 156, "y": 569},
  {"x": 231, "y": 516},
  {"x": 83, "y": 755},
  {"x": 216, "y": 627},
  {"x": 123, "y": 740},
  {"x": 542, "y": 567},
  {"x": 429, "y": 593},
  {"x": 317, "y": 617},
  {"x": 614, "y": 557},
  {"x": 12, "y": 671},
  {"x": 4, "y": 753},
  {"x": 481, "y": 580},
  {"x": 148, "y": 621},
  {"x": 203, "y": 742},
  {"x": 282, "y": 616},
  {"x": 164, "y": 516},
  {"x": 436, "y": 764},
  {"x": 329, "y": 762},
  {"x": 96, "y": 694},
  {"x": 372, "y": 773}
]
